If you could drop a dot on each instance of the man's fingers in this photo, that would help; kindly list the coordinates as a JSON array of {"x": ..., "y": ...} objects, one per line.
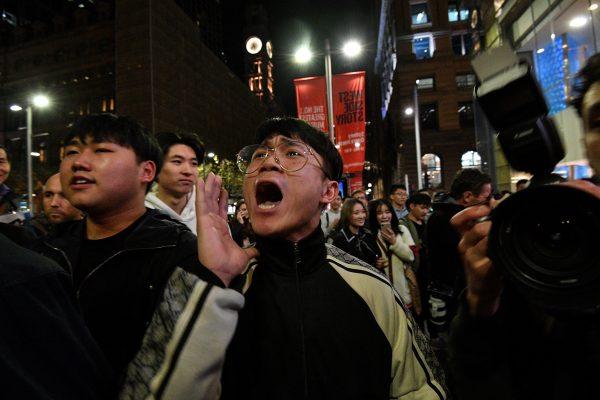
[
  {"x": 201, "y": 208},
  {"x": 223, "y": 203},
  {"x": 464, "y": 220},
  {"x": 251, "y": 252}
]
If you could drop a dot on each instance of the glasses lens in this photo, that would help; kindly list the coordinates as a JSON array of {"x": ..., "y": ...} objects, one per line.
[
  {"x": 292, "y": 155},
  {"x": 250, "y": 158}
]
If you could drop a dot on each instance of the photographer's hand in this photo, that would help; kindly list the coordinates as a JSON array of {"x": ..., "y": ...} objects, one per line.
[{"x": 484, "y": 284}]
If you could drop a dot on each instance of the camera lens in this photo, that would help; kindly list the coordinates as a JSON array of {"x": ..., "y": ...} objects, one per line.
[{"x": 545, "y": 241}]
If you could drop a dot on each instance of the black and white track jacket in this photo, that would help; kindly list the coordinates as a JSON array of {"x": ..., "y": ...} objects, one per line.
[{"x": 320, "y": 324}]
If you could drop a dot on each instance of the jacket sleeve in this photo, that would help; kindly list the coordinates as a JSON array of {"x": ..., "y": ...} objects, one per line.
[
  {"x": 183, "y": 351},
  {"x": 402, "y": 249},
  {"x": 416, "y": 373}
]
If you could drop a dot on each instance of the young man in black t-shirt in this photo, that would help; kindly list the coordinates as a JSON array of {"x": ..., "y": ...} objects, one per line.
[{"x": 136, "y": 272}]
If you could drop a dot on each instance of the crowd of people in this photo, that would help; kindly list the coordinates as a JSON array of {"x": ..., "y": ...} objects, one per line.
[{"x": 133, "y": 282}]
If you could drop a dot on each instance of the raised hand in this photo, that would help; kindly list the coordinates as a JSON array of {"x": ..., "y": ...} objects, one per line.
[
  {"x": 484, "y": 283},
  {"x": 216, "y": 249}
]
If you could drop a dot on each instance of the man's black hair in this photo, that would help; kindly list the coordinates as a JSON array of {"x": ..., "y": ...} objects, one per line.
[
  {"x": 418, "y": 198},
  {"x": 469, "y": 180},
  {"x": 395, "y": 187},
  {"x": 297, "y": 128},
  {"x": 6, "y": 152},
  {"x": 124, "y": 131},
  {"x": 167, "y": 139},
  {"x": 584, "y": 79}
]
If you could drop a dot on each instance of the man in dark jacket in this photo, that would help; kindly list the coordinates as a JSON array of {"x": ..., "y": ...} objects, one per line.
[
  {"x": 470, "y": 187},
  {"x": 317, "y": 323},
  {"x": 134, "y": 270},
  {"x": 46, "y": 351}
]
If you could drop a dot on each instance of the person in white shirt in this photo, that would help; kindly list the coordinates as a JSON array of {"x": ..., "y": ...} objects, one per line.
[
  {"x": 330, "y": 218},
  {"x": 174, "y": 194}
]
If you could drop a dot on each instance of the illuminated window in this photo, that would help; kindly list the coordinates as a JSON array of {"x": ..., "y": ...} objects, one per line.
[
  {"x": 471, "y": 159},
  {"x": 423, "y": 46},
  {"x": 432, "y": 170},
  {"x": 462, "y": 44},
  {"x": 270, "y": 85},
  {"x": 111, "y": 104},
  {"x": 465, "y": 80},
  {"x": 425, "y": 83},
  {"x": 270, "y": 70},
  {"x": 255, "y": 83},
  {"x": 419, "y": 13},
  {"x": 455, "y": 13},
  {"x": 103, "y": 105},
  {"x": 258, "y": 67}
]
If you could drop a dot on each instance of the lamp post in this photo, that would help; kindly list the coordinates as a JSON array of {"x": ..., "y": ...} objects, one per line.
[
  {"x": 40, "y": 101},
  {"x": 414, "y": 110},
  {"x": 303, "y": 55}
]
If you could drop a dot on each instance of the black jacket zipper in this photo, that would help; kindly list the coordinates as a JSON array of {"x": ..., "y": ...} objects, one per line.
[{"x": 297, "y": 261}]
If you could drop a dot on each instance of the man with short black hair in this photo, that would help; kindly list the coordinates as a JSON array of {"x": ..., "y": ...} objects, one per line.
[
  {"x": 136, "y": 272},
  {"x": 317, "y": 323},
  {"x": 174, "y": 193},
  {"x": 398, "y": 196},
  {"x": 470, "y": 187}
]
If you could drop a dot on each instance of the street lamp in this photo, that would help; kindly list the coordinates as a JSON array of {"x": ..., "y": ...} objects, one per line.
[
  {"x": 303, "y": 55},
  {"x": 40, "y": 101}
]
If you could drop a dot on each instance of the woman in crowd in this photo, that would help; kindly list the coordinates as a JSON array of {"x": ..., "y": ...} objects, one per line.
[
  {"x": 352, "y": 236},
  {"x": 394, "y": 241}
]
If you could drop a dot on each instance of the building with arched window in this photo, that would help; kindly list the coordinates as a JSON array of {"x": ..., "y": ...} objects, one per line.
[{"x": 426, "y": 46}]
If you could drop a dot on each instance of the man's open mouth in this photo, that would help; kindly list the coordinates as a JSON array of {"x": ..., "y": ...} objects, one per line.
[{"x": 268, "y": 195}]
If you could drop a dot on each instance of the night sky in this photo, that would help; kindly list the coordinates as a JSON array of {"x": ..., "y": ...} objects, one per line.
[{"x": 304, "y": 21}]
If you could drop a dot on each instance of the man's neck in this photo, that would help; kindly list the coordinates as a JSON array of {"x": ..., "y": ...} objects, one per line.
[
  {"x": 110, "y": 223},
  {"x": 414, "y": 219},
  {"x": 399, "y": 207},
  {"x": 177, "y": 202}
]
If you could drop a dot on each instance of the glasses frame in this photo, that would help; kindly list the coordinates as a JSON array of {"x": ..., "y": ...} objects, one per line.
[{"x": 273, "y": 150}]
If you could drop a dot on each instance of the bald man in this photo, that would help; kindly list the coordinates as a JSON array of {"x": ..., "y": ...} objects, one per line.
[{"x": 56, "y": 207}]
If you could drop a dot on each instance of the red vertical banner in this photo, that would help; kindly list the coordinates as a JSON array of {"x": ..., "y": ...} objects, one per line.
[
  {"x": 348, "y": 113},
  {"x": 349, "y": 118},
  {"x": 311, "y": 101},
  {"x": 355, "y": 182}
]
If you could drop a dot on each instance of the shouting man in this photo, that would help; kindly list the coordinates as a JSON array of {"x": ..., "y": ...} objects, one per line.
[{"x": 317, "y": 323}]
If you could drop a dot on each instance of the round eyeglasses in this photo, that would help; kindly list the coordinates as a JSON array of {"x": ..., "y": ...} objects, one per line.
[{"x": 291, "y": 155}]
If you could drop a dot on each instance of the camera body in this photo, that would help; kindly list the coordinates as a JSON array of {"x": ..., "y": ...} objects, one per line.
[{"x": 543, "y": 239}]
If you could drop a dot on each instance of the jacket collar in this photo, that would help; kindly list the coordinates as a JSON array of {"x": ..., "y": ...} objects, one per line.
[
  {"x": 154, "y": 230},
  {"x": 281, "y": 256}
]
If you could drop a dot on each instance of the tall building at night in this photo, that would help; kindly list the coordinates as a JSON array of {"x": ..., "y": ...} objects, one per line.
[
  {"x": 556, "y": 37},
  {"x": 258, "y": 55},
  {"x": 426, "y": 44},
  {"x": 142, "y": 58}
]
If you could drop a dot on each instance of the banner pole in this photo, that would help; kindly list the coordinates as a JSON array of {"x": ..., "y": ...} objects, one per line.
[{"x": 329, "y": 87}]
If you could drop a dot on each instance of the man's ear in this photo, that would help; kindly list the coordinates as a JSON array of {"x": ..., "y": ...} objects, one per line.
[
  {"x": 147, "y": 171},
  {"x": 466, "y": 197},
  {"x": 330, "y": 191}
]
